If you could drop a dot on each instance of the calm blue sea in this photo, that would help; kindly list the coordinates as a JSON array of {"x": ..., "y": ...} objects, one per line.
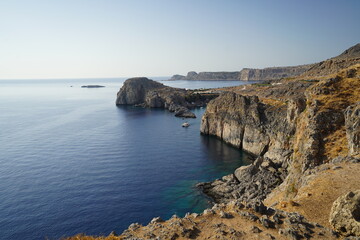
[{"x": 72, "y": 162}]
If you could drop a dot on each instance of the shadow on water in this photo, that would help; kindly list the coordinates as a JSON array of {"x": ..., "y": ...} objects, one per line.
[
  {"x": 220, "y": 159},
  {"x": 224, "y": 156}
]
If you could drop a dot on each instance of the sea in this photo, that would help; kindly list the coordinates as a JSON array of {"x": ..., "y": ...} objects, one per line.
[{"x": 72, "y": 162}]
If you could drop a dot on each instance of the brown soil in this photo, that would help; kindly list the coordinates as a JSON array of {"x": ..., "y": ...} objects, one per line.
[{"x": 314, "y": 200}]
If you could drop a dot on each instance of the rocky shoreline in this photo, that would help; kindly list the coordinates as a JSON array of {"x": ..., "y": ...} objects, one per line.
[
  {"x": 143, "y": 92},
  {"x": 303, "y": 183}
]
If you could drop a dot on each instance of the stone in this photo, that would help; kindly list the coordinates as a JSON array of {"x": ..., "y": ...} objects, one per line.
[
  {"x": 266, "y": 222},
  {"x": 345, "y": 214},
  {"x": 249, "y": 216},
  {"x": 255, "y": 229},
  {"x": 290, "y": 233},
  {"x": 156, "y": 220},
  {"x": 225, "y": 214}
]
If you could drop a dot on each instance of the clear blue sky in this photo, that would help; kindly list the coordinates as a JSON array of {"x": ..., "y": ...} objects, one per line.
[{"x": 125, "y": 38}]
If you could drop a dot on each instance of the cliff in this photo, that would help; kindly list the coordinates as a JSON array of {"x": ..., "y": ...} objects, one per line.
[
  {"x": 148, "y": 93},
  {"x": 246, "y": 74},
  {"x": 208, "y": 76},
  {"x": 304, "y": 134},
  {"x": 298, "y": 138},
  {"x": 272, "y": 73}
]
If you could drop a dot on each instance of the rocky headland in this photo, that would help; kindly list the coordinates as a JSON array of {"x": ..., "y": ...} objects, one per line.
[
  {"x": 246, "y": 74},
  {"x": 304, "y": 133},
  {"x": 144, "y": 92}
]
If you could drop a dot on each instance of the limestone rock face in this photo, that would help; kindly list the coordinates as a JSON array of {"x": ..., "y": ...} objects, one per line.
[
  {"x": 248, "y": 124},
  {"x": 345, "y": 214},
  {"x": 134, "y": 90},
  {"x": 272, "y": 73},
  {"x": 246, "y": 74},
  {"x": 352, "y": 124}
]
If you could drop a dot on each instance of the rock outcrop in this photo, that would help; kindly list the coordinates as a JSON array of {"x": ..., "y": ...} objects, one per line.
[
  {"x": 136, "y": 91},
  {"x": 352, "y": 123},
  {"x": 345, "y": 214},
  {"x": 148, "y": 93},
  {"x": 272, "y": 73},
  {"x": 250, "y": 184},
  {"x": 247, "y": 123},
  {"x": 291, "y": 134}
]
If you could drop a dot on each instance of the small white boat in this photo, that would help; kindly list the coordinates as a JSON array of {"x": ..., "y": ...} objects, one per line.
[{"x": 185, "y": 124}]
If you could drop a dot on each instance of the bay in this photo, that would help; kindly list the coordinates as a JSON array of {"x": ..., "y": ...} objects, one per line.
[{"x": 71, "y": 161}]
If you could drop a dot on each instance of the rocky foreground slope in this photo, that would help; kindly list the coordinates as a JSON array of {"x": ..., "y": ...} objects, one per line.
[{"x": 148, "y": 93}]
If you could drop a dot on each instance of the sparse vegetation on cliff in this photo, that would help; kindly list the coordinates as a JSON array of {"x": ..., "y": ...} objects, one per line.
[{"x": 305, "y": 134}]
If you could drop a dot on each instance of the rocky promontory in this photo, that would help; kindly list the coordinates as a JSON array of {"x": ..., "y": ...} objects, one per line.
[
  {"x": 148, "y": 93},
  {"x": 294, "y": 137},
  {"x": 304, "y": 134},
  {"x": 208, "y": 76},
  {"x": 246, "y": 74}
]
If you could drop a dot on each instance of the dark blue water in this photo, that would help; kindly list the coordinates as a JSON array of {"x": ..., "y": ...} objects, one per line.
[{"x": 72, "y": 162}]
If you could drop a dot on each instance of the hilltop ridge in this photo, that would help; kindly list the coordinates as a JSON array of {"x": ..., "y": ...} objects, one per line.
[{"x": 349, "y": 57}]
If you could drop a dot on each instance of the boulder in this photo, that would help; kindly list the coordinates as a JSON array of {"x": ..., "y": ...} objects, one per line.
[{"x": 345, "y": 214}]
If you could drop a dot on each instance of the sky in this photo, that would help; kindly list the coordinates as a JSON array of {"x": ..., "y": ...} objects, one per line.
[{"x": 127, "y": 38}]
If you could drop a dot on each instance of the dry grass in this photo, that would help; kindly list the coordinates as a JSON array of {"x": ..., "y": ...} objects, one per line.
[
  {"x": 336, "y": 144},
  {"x": 315, "y": 199},
  {"x": 341, "y": 94},
  {"x": 273, "y": 102}
]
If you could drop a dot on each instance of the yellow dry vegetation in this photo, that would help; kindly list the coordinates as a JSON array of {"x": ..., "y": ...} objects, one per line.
[
  {"x": 314, "y": 200},
  {"x": 273, "y": 102},
  {"x": 342, "y": 94}
]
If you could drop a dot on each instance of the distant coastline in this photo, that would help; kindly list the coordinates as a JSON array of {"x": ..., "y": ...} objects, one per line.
[{"x": 246, "y": 74}]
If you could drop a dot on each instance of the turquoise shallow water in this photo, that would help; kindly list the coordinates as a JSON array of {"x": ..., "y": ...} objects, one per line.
[{"x": 72, "y": 162}]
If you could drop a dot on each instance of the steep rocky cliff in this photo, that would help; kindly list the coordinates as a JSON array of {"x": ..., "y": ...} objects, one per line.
[
  {"x": 148, "y": 93},
  {"x": 247, "y": 74},
  {"x": 291, "y": 136},
  {"x": 272, "y": 73},
  {"x": 305, "y": 136}
]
